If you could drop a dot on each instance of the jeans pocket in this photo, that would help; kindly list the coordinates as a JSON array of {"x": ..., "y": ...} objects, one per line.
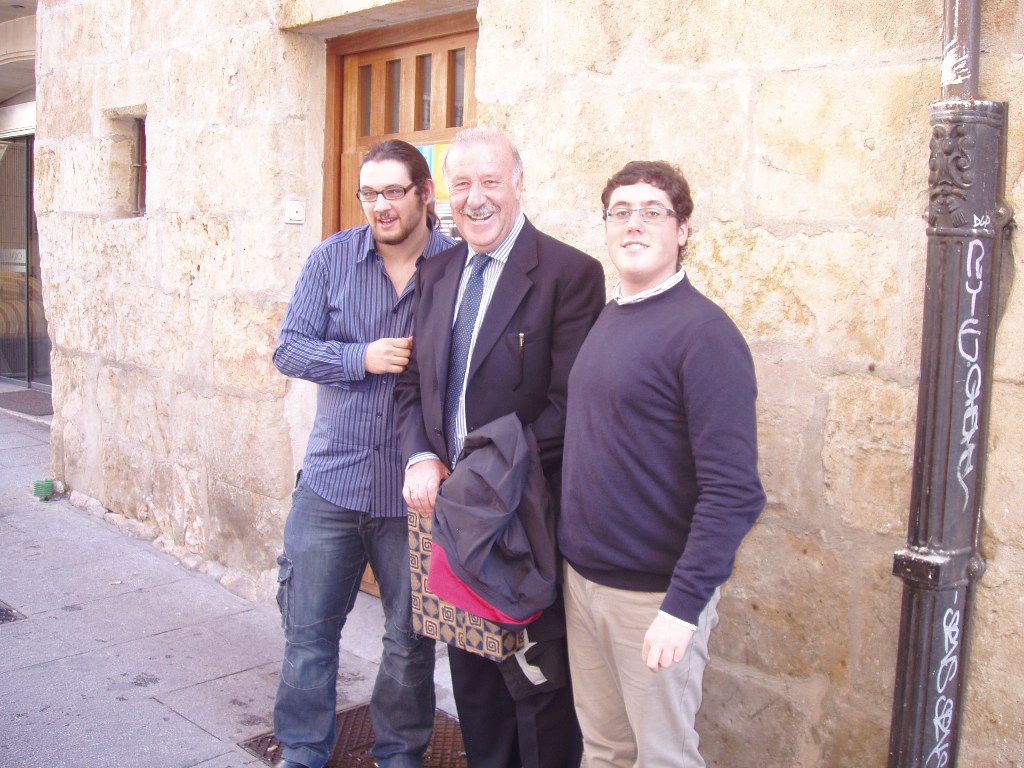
[{"x": 284, "y": 580}]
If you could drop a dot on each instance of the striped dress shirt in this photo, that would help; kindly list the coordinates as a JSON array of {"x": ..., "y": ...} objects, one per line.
[
  {"x": 492, "y": 272},
  {"x": 342, "y": 301}
]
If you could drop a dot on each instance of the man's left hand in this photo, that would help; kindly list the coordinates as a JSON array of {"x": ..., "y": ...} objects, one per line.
[{"x": 665, "y": 643}]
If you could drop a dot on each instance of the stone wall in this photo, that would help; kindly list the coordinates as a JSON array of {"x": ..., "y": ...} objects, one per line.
[
  {"x": 803, "y": 128},
  {"x": 168, "y": 408}
]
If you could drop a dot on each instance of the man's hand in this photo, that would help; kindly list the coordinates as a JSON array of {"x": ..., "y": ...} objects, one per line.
[
  {"x": 422, "y": 481},
  {"x": 665, "y": 643},
  {"x": 388, "y": 355}
]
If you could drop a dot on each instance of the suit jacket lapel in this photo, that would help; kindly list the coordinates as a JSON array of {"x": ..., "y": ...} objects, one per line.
[
  {"x": 512, "y": 287},
  {"x": 446, "y": 291}
]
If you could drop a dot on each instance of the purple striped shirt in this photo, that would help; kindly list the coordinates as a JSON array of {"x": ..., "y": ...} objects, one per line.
[{"x": 342, "y": 301}]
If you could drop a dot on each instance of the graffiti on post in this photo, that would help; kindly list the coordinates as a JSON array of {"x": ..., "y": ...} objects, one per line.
[
  {"x": 945, "y": 705},
  {"x": 970, "y": 349}
]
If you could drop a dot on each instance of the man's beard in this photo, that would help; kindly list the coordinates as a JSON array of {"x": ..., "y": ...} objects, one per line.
[{"x": 405, "y": 229}]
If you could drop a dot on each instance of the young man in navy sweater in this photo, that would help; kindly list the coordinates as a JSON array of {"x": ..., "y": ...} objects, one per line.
[{"x": 660, "y": 483}]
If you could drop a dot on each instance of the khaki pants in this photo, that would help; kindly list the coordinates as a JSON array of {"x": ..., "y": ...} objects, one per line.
[{"x": 629, "y": 715}]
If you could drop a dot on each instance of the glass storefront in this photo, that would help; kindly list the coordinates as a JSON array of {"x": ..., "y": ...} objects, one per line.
[{"x": 24, "y": 343}]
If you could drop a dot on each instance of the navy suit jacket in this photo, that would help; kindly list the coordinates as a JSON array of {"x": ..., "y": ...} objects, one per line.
[{"x": 549, "y": 292}]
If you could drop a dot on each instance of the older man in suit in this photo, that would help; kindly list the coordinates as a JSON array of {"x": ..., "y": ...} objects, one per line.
[{"x": 498, "y": 322}]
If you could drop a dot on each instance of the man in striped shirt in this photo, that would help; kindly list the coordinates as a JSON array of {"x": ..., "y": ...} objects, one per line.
[{"x": 348, "y": 329}]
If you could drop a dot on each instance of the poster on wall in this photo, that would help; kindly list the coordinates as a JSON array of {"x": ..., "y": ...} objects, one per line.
[{"x": 434, "y": 155}]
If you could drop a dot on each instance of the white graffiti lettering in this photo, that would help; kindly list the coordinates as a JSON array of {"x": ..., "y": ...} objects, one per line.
[
  {"x": 943, "y": 724},
  {"x": 945, "y": 706},
  {"x": 970, "y": 348},
  {"x": 951, "y": 639},
  {"x": 968, "y": 334}
]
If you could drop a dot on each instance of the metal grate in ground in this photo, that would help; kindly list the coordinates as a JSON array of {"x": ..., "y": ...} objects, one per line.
[
  {"x": 355, "y": 737},
  {"x": 8, "y": 614}
]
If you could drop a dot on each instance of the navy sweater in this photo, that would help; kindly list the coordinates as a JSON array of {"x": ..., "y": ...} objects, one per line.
[{"x": 660, "y": 481}]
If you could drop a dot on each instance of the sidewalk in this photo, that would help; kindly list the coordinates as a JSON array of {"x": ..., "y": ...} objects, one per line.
[{"x": 120, "y": 656}]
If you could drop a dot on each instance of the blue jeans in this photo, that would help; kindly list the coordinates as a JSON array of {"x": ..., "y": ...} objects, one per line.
[{"x": 326, "y": 549}]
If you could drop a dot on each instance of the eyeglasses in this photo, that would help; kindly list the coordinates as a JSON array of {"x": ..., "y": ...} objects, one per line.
[
  {"x": 650, "y": 215},
  {"x": 391, "y": 193}
]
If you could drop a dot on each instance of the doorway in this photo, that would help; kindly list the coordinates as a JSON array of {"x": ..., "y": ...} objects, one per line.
[
  {"x": 24, "y": 341},
  {"x": 414, "y": 82}
]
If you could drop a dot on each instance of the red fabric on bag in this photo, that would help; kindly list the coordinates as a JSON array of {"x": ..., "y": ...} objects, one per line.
[{"x": 443, "y": 582}]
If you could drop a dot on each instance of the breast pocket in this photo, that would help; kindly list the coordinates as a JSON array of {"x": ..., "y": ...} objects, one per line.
[{"x": 530, "y": 351}]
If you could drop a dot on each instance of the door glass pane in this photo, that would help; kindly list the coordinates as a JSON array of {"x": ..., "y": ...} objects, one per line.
[
  {"x": 14, "y": 286},
  {"x": 365, "y": 96},
  {"x": 423, "y": 92},
  {"x": 24, "y": 343},
  {"x": 38, "y": 335},
  {"x": 394, "y": 93},
  {"x": 456, "y": 87}
]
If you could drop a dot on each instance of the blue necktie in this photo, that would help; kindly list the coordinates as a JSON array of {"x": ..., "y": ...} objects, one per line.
[{"x": 462, "y": 335}]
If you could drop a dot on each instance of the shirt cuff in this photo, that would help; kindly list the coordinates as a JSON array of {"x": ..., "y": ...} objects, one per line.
[
  {"x": 677, "y": 620},
  {"x": 416, "y": 458}
]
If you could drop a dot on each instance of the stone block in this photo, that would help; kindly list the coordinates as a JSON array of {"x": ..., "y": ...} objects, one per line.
[
  {"x": 853, "y": 732},
  {"x": 868, "y": 452},
  {"x": 876, "y": 602},
  {"x": 547, "y": 40},
  {"x": 791, "y": 413},
  {"x": 75, "y": 118},
  {"x": 87, "y": 27},
  {"x": 1004, "y": 470},
  {"x": 197, "y": 252},
  {"x": 238, "y": 441},
  {"x": 786, "y": 610},
  {"x": 183, "y": 25},
  {"x": 135, "y": 407},
  {"x": 243, "y": 528},
  {"x": 842, "y": 145},
  {"x": 46, "y": 180},
  {"x": 195, "y": 155},
  {"x": 200, "y": 84},
  {"x": 180, "y": 494},
  {"x": 116, "y": 248},
  {"x": 78, "y": 315},
  {"x": 744, "y": 714},
  {"x": 837, "y": 293},
  {"x": 278, "y": 77},
  {"x": 669, "y": 124},
  {"x": 993, "y": 715},
  {"x": 299, "y": 411},
  {"x": 128, "y": 471},
  {"x": 774, "y": 35},
  {"x": 243, "y": 339},
  {"x": 76, "y": 176},
  {"x": 155, "y": 329}
]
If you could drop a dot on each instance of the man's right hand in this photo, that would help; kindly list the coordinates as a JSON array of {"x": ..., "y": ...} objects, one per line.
[
  {"x": 387, "y": 355},
  {"x": 422, "y": 482}
]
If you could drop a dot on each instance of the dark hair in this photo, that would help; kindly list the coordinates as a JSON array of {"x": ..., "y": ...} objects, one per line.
[
  {"x": 413, "y": 160},
  {"x": 665, "y": 176},
  {"x": 668, "y": 178}
]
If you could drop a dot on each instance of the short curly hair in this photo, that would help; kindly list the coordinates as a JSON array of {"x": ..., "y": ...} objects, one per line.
[{"x": 658, "y": 173}]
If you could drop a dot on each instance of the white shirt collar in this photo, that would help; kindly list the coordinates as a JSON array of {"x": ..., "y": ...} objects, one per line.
[{"x": 638, "y": 297}]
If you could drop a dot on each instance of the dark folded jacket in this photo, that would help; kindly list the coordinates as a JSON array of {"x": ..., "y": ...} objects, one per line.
[{"x": 495, "y": 522}]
